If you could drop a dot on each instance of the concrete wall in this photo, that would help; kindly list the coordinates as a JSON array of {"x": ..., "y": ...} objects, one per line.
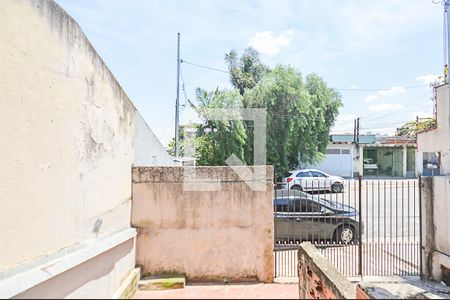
[
  {"x": 68, "y": 136},
  {"x": 207, "y": 235},
  {"x": 319, "y": 279},
  {"x": 148, "y": 150},
  {"x": 438, "y": 140},
  {"x": 435, "y": 229},
  {"x": 337, "y": 163}
]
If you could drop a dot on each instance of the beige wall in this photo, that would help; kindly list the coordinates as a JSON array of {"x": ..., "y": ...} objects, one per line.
[
  {"x": 435, "y": 229},
  {"x": 68, "y": 143},
  {"x": 207, "y": 235},
  {"x": 438, "y": 140}
]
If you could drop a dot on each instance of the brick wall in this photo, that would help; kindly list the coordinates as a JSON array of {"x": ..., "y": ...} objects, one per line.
[{"x": 319, "y": 279}]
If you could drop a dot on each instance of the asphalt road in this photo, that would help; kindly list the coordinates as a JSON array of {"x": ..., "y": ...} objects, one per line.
[{"x": 389, "y": 213}]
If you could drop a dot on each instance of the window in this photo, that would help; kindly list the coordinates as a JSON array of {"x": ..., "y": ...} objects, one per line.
[
  {"x": 345, "y": 151},
  {"x": 318, "y": 174},
  {"x": 304, "y": 206},
  {"x": 334, "y": 151},
  {"x": 304, "y": 174},
  {"x": 282, "y": 208}
]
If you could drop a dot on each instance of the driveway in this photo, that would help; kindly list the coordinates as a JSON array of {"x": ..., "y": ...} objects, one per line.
[{"x": 225, "y": 291}]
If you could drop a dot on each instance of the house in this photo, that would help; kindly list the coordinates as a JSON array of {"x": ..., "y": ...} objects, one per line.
[
  {"x": 371, "y": 156},
  {"x": 434, "y": 145}
]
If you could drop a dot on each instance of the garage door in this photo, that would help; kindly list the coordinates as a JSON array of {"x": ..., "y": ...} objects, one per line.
[{"x": 337, "y": 161}]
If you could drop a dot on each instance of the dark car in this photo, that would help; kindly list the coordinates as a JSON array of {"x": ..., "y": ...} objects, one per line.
[{"x": 303, "y": 217}]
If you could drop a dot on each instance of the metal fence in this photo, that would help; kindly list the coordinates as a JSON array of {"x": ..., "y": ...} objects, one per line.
[{"x": 364, "y": 227}]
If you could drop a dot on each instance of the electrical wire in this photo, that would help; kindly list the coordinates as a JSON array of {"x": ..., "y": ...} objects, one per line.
[
  {"x": 183, "y": 88},
  {"x": 337, "y": 89},
  {"x": 204, "y": 67},
  {"x": 406, "y": 102},
  {"x": 379, "y": 89}
]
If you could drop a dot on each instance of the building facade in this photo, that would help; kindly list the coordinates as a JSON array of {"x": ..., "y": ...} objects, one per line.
[{"x": 372, "y": 156}]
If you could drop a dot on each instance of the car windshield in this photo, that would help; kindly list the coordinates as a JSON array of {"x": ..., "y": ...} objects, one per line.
[{"x": 299, "y": 194}]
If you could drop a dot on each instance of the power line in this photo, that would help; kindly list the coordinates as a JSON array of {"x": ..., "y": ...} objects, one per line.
[
  {"x": 204, "y": 67},
  {"x": 337, "y": 89},
  {"x": 378, "y": 89},
  {"x": 408, "y": 101},
  {"x": 183, "y": 87}
]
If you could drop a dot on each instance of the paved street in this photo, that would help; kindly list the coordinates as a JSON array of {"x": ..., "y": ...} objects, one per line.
[{"x": 390, "y": 240}]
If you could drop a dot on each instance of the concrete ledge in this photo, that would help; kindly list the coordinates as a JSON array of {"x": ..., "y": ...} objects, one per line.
[
  {"x": 20, "y": 282},
  {"x": 129, "y": 285},
  {"x": 177, "y": 174},
  {"x": 162, "y": 283},
  {"x": 319, "y": 279}
]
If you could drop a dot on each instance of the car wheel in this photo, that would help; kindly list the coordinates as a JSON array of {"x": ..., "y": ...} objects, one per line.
[
  {"x": 337, "y": 188},
  {"x": 297, "y": 187},
  {"x": 345, "y": 234}
]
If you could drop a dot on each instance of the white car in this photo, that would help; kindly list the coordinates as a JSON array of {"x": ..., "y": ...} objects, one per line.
[{"x": 313, "y": 180}]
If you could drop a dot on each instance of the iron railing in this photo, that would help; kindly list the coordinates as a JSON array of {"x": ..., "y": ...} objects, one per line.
[{"x": 364, "y": 227}]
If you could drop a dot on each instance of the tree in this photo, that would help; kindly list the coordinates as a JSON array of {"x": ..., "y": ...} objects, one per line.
[
  {"x": 413, "y": 127},
  {"x": 245, "y": 71},
  {"x": 217, "y": 139},
  {"x": 299, "y": 116}
]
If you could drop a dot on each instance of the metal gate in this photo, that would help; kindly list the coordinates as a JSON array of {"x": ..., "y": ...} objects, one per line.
[{"x": 370, "y": 228}]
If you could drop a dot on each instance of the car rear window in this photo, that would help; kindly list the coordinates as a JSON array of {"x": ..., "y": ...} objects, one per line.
[
  {"x": 304, "y": 174},
  {"x": 288, "y": 174}
]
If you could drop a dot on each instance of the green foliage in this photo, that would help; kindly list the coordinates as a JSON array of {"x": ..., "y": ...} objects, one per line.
[
  {"x": 246, "y": 71},
  {"x": 413, "y": 127},
  {"x": 299, "y": 115},
  {"x": 218, "y": 139}
]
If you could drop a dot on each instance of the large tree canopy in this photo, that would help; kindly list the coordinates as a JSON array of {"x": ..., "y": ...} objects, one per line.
[
  {"x": 299, "y": 111},
  {"x": 245, "y": 71},
  {"x": 299, "y": 116}
]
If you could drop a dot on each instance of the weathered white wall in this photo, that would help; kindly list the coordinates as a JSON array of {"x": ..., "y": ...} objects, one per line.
[
  {"x": 438, "y": 140},
  {"x": 338, "y": 164},
  {"x": 435, "y": 228},
  {"x": 148, "y": 150},
  {"x": 68, "y": 135}
]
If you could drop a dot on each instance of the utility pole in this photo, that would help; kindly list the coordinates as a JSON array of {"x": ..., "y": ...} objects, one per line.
[
  {"x": 354, "y": 132},
  {"x": 357, "y": 131},
  {"x": 177, "y": 102},
  {"x": 447, "y": 16}
]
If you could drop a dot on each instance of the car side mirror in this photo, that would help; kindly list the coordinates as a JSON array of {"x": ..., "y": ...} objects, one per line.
[{"x": 326, "y": 212}]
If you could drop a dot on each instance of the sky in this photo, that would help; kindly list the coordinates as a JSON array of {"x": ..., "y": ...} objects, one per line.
[{"x": 380, "y": 55}]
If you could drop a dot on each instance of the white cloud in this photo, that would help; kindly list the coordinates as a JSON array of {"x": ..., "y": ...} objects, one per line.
[
  {"x": 268, "y": 44},
  {"x": 385, "y": 106},
  {"x": 395, "y": 90},
  {"x": 370, "y": 98},
  {"x": 354, "y": 86},
  {"x": 429, "y": 78},
  {"x": 345, "y": 117}
]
